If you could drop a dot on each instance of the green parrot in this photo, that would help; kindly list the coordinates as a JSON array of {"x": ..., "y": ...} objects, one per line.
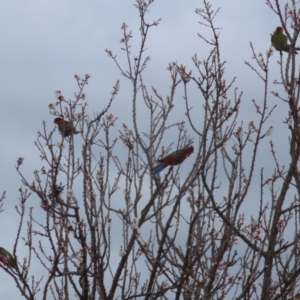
[
  {"x": 279, "y": 41},
  {"x": 66, "y": 128},
  {"x": 6, "y": 258}
]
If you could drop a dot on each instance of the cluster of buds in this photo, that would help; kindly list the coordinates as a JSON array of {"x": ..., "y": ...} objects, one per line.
[
  {"x": 20, "y": 161},
  {"x": 59, "y": 96}
]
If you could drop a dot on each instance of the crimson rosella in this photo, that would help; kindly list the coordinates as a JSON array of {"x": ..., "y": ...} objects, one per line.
[
  {"x": 66, "y": 128},
  {"x": 175, "y": 158},
  {"x": 280, "y": 41}
]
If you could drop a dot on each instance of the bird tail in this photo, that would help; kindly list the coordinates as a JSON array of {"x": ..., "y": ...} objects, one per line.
[
  {"x": 294, "y": 49},
  {"x": 158, "y": 169},
  {"x": 68, "y": 133}
]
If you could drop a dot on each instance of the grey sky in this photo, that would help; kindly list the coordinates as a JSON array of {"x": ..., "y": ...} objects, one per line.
[{"x": 44, "y": 43}]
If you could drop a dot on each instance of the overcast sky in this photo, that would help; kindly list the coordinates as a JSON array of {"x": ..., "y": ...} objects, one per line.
[{"x": 45, "y": 43}]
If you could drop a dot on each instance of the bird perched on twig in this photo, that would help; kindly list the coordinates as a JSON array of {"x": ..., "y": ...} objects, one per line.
[
  {"x": 175, "y": 158},
  {"x": 6, "y": 258},
  {"x": 280, "y": 41},
  {"x": 66, "y": 128}
]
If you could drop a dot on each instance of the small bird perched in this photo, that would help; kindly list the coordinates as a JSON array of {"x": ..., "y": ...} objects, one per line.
[
  {"x": 175, "y": 158},
  {"x": 6, "y": 258},
  {"x": 280, "y": 41},
  {"x": 66, "y": 128}
]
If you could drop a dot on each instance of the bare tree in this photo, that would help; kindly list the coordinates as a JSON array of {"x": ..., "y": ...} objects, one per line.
[{"x": 173, "y": 236}]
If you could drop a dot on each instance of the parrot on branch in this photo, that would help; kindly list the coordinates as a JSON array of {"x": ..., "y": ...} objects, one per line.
[
  {"x": 6, "y": 258},
  {"x": 175, "y": 158},
  {"x": 280, "y": 41},
  {"x": 66, "y": 128}
]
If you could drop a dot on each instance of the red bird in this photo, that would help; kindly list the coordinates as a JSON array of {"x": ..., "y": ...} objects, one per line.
[{"x": 175, "y": 158}]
